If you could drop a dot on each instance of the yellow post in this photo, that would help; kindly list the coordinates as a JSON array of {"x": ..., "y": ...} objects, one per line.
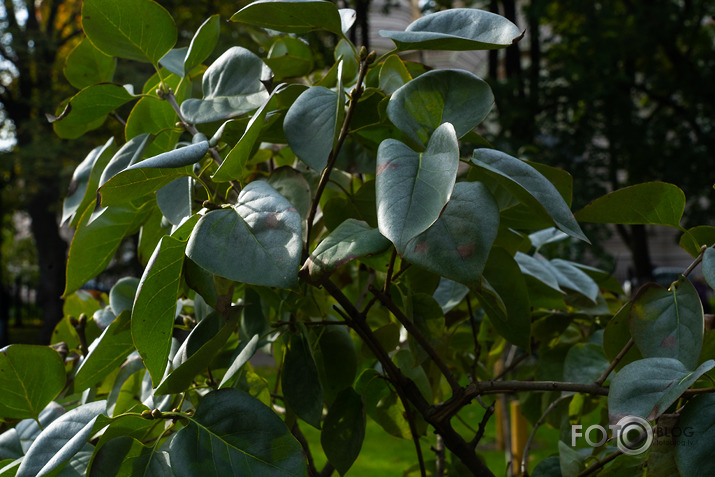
[{"x": 519, "y": 436}]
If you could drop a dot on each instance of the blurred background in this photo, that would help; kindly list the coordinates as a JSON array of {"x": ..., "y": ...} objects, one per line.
[{"x": 616, "y": 92}]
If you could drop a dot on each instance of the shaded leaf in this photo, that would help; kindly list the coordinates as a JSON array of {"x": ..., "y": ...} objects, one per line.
[
  {"x": 175, "y": 200},
  {"x": 291, "y": 16},
  {"x": 246, "y": 353},
  {"x": 668, "y": 323},
  {"x": 393, "y": 74},
  {"x": 657, "y": 203},
  {"x": 350, "y": 240},
  {"x": 530, "y": 187},
  {"x": 647, "y": 387},
  {"x": 440, "y": 96},
  {"x": 412, "y": 188},
  {"x": 539, "y": 268},
  {"x": 708, "y": 266},
  {"x": 126, "y": 455},
  {"x": 86, "y": 65},
  {"x": 456, "y": 29},
  {"x": 695, "y": 459},
  {"x": 299, "y": 380},
  {"x": 232, "y": 433},
  {"x": 344, "y": 430},
  {"x": 255, "y": 241},
  {"x": 311, "y": 125},
  {"x": 449, "y": 294},
  {"x": 107, "y": 354},
  {"x": 132, "y": 151},
  {"x": 584, "y": 363},
  {"x": 569, "y": 276}
]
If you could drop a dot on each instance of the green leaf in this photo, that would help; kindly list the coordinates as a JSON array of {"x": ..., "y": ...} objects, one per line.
[
  {"x": 344, "y": 430},
  {"x": 291, "y": 184},
  {"x": 539, "y": 268},
  {"x": 616, "y": 336},
  {"x": 350, "y": 240},
  {"x": 311, "y": 125},
  {"x": 301, "y": 386},
  {"x": 203, "y": 43},
  {"x": 708, "y": 266},
  {"x": 457, "y": 29},
  {"x": 61, "y": 440},
  {"x": 291, "y": 16},
  {"x": 457, "y": 245},
  {"x": 698, "y": 417},
  {"x": 505, "y": 298},
  {"x": 140, "y": 30},
  {"x": 131, "y": 152},
  {"x": 646, "y": 388},
  {"x": 175, "y": 200},
  {"x": 106, "y": 354},
  {"x": 571, "y": 277},
  {"x": 336, "y": 359},
  {"x": 31, "y": 376},
  {"x": 584, "y": 363},
  {"x": 528, "y": 186},
  {"x": 440, "y": 96},
  {"x": 289, "y": 57},
  {"x": 449, "y": 294},
  {"x": 693, "y": 239},
  {"x": 233, "y": 166},
  {"x": 668, "y": 323},
  {"x": 256, "y": 241},
  {"x": 95, "y": 242},
  {"x": 126, "y": 455},
  {"x": 121, "y": 296},
  {"x": 231, "y": 86},
  {"x": 393, "y": 74},
  {"x": 656, "y": 203},
  {"x": 155, "y": 305},
  {"x": 246, "y": 353},
  {"x": 412, "y": 188},
  {"x": 143, "y": 178},
  {"x": 382, "y": 404},
  {"x": 196, "y": 353},
  {"x": 232, "y": 433},
  {"x": 86, "y": 65},
  {"x": 85, "y": 180},
  {"x": 88, "y": 109}
]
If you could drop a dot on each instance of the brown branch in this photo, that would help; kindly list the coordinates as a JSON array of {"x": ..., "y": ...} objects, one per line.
[
  {"x": 488, "y": 412},
  {"x": 390, "y": 269},
  {"x": 614, "y": 363},
  {"x": 421, "y": 340}
]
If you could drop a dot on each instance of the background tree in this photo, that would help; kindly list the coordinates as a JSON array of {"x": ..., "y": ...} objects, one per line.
[{"x": 617, "y": 93}]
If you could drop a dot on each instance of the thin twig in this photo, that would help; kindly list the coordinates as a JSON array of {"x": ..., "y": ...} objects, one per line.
[
  {"x": 513, "y": 364},
  {"x": 475, "y": 333},
  {"x": 600, "y": 464},
  {"x": 525, "y": 456},
  {"x": 390, "y": 268},
  {"x": 421, "y": 340},
  {"x": 696, "y": 262},
  {"x": 615, "y": 362},
  {"x": 488, "y": 412}
]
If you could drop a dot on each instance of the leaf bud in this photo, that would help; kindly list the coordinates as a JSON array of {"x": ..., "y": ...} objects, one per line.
[
  {"x": 363, "y": 53},
  {"x": 371, "y": 58},
  {"x": 156, "y": 414},
  {"x": 146, "y": 414}
]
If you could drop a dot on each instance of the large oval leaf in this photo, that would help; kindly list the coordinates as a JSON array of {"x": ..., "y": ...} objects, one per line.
[
  {"x": 311, "y": 125},
  {"x": 86, "y": 65},
  {"x": 647, "y": 387},
  {"x": 61, "y": 440},
  {"x": 256, "y": 241},
  {"x": 412, "y": 187},
  {"x": 668, "y": 323},
  {"x": 457, "y": 245},
  {"x": 233, "y": 433},
  {"x": 30, "y": 378},
  {"x": 203, "y": 43},
  {"x": 231, "y": 85},
  {"x": 291, "y": 16},
  {"x": 155, "y": 305},
  {"x": 440, "y": 96},
  {"x": 140, "y": 30},
  {"x": 344, "y": 430},
  {"x": 528, "y": 186},
  {"x": 301, "y": 385},
  {"x": 88, "y": 109},
  {"x": 657, "y": 203},
  {"x": 457, "y": 29}
]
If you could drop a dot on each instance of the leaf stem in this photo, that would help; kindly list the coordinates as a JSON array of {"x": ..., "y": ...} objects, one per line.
[
  {"x": 614, "y": 363},
  {"x": 527, "y": 446},
  {"x": 325, "y": 176}
]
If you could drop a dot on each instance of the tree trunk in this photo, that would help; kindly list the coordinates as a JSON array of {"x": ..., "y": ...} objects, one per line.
[{"x": 51, "y": 257}]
